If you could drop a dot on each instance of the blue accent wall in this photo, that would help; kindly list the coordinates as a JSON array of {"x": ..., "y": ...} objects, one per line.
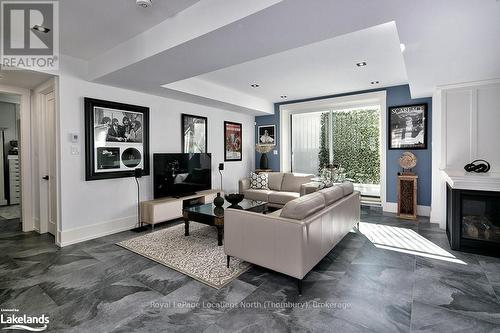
[{"x": 398, "y": 95}]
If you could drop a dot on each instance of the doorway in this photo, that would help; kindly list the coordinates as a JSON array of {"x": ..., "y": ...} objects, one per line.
[
  {"x": 47, "y": 161},
  {"x": 331, "y": 145},
  {"x": 34, "y": 95},
  {"x": 10, "y": 185},
  {"x": 341, "y": 144}
]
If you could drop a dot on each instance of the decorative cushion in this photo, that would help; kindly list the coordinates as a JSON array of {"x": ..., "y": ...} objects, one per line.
[
  {"x": 275, "y": 180},
  {"x": 280, "y": 197},
  {"x": 332, "y": 194},
  {"x": 259, "y": 181},
  {"x": 348, "y": 188},
  {"x": 300, "y": 208},
  {"x": 292, "y": 183}
]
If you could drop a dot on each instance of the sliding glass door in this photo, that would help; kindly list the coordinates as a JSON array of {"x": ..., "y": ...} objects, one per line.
[
  {"x": 306, "y": 142},
  {"x": 346, "y": 139}
]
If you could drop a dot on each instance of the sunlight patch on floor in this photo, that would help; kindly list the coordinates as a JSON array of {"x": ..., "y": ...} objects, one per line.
[{"x": 406, "y": 241}]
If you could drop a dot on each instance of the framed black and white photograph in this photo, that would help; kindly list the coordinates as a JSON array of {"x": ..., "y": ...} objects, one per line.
[
  {"x": 116, "y": 139},
  {"x": 267, "y": 135},
  {"x": 408, "y": 127},
  {"x": 194, "y": 134},
  {"x": 232, "y": 141}
]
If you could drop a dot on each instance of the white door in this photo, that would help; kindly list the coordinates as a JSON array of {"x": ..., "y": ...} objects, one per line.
[{"x": 48, "y": 184}]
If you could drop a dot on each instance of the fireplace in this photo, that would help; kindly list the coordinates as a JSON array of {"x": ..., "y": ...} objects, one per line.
[{"x": 473, "y": 221}]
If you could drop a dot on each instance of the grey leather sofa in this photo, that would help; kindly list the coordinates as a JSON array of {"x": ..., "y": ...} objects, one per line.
[
  {"x": 283, "y": 187},
  {"x": 294, "y": 239}
]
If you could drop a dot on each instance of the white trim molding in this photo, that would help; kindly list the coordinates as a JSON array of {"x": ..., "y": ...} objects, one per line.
[
  {"x": 464, "y": 129},
  {"x": 392, "y": 207},
  {"x": 77, "y": 235}
]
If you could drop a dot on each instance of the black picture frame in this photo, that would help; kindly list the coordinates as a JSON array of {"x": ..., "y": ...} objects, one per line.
[
  {"x": 398, "y": 118},
  {"x": 271, "y": 133},
  {"x": 133, "y": 145},
  {"x": 186, "y": 120},
  {"x": 233, "y": 134}
]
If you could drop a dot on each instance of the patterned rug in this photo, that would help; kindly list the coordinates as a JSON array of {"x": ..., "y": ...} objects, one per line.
[{"x": 196, "y": 255}]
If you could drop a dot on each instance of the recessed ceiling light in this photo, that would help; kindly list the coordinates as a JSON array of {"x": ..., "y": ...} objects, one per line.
[
  {"x": 284, "y": 96},
  {"x": 144, "y": 3},
  {"x": 402, "y": 47},
  {"x": 361, "y": 64},
  {"x": 40, "y": 28},
  {"x": 255, "y": 85},
  {"x": 375, "y": 82}
]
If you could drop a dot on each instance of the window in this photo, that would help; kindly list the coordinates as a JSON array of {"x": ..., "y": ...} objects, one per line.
[{"x": 345, "y": 138}]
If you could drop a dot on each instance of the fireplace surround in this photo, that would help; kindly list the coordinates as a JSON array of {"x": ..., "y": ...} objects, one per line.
[{"x": 473, "y": 215}]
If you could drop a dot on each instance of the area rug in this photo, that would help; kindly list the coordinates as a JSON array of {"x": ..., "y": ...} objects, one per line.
[{"x": 196, "y": 255}]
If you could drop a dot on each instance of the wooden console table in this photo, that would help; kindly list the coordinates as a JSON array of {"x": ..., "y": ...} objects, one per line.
[{"x": 165, "y": 209}]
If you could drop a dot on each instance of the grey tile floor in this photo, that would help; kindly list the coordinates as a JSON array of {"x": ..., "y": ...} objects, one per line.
[{"x": 360, "y": 286}]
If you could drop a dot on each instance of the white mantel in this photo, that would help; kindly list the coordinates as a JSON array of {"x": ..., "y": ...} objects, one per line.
[{"x": 460, "y": 179}]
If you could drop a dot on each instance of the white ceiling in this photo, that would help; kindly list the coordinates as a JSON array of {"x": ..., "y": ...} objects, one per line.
[
  {"x": 301, "y": 48},
  {"x": 23, "y": 78},
  {"x": 321, "y": 68},
  {"x": 91, "y": 27}
]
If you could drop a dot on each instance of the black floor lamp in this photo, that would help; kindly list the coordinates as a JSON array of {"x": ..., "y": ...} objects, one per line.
[{"x": 140, "y": 227}]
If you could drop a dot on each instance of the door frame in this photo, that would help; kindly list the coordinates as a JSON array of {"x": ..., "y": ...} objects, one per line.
[
  {"x": 376, "y": 97},
  {"x": 39, "y": 99},
  {"x": 40, "y": 96},
  {"x": 25, "y": 158}
]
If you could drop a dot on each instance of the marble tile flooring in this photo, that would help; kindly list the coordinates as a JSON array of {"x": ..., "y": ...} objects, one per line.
[{"x": 399, "y": 276}]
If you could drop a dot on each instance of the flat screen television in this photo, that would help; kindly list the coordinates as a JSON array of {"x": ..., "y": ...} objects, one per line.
[{"x": 177, "y": 175}]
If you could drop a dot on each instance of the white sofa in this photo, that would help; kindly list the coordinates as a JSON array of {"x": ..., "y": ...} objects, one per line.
[
  {"x": 283, "y": 187},
  {"x": 294, "y": 239}
]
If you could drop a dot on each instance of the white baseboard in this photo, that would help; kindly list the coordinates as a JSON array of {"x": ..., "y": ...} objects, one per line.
[
  {"x": 77, "y": 235},
  {"x": 392, "y": 207}
]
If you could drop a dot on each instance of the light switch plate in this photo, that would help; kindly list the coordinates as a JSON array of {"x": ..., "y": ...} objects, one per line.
[{"x": 75, "y": 150}]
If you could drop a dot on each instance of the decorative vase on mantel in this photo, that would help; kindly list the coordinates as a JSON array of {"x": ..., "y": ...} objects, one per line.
[
  {"x": 218, "y": 201},
  {"x": 263, "y": 150}
]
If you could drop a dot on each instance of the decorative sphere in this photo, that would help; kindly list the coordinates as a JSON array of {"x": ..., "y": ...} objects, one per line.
[{"x": 408, "y": 160}]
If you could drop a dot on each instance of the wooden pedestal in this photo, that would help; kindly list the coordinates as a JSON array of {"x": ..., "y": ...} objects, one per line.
[{"x": 407, "y": 196}]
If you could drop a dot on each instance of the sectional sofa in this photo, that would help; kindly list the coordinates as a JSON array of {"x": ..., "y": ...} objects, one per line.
[
  {"x": 283, "y": 187},
  {"x": 294, "y": 239}
]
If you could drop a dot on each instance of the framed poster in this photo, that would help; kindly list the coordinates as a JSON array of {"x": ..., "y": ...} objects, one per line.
[
  {"x": 194, "y": 133},
  {"x": 232, "y": 141},
  {"x": 116, "y": 139},
  {"x": 267, "y": 135},
  {"x": 408, "y": 127}
]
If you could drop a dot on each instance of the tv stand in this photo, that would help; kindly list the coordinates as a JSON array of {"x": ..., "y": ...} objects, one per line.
[
  {"x": 188, "y": 194},
  {"x": 166, "y": 209}
]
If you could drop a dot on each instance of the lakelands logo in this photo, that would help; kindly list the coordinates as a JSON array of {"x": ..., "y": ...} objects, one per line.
[
  {"x": 29, "y": 35},
  {"x": 11, "y": 320}
]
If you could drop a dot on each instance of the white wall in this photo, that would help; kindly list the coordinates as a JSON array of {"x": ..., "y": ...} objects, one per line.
[
  {"x": 466, "y": 124},
  {"x": 94, "y": 208}
]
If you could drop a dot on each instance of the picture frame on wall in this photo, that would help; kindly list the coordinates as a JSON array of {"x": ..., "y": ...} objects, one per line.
[
  {"x": 266, "y": 135},
  {"x": 116, "y": 139},
  {"x": 408, "y": 127},
  {"x": 232, "y": 141},
  {"x": 194, "y": 133}
]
